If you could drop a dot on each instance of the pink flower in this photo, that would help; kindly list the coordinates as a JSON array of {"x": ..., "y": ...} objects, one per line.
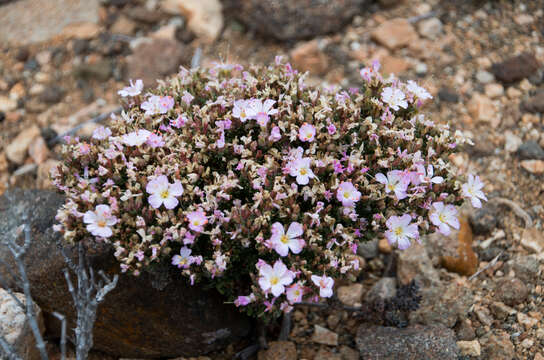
[
  {"x": 306, "y": 132},
  {"x": 101, "y": 133},
  {"x": 400, "y": 231},
  {"x": 99, "y": 221},
  {"x": 179, "y": 121},
  {"x": 294, "y": 293},
  {"x": 300, "y": 168},
  {"x": 133, "y": 90},
  {"x": 155, "y": 140},
  {"x": 347, "y": 194},
  {"x": 136, "y": 138},
  {"x": 244, "y": 300},
  {"x": 473, "y": 190},
  {"x": 162, "y": 192},
  {"x": 331, "y": 129},
  {"x": 395, "y": 98},
  {"x": 275, "y": 134},
  {"x": 157, "y": 105},
  {"x": 283, "y": 242},
  {"x": 325, "y": 284},
  {"x": 394, "y": 182},
  {"x": 187, "y": 98},
  {"x": 197, "y": 220},
  {"x": 275, "y": 278},
  {"x": 243, "y": 110},
  {"x": 444, "y": 216},
  {"x": 183, "y": 260},
  {"x": 263, "y": 110}
]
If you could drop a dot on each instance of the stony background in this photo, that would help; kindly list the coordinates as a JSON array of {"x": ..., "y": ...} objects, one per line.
[{"x": 62, "y": 64}]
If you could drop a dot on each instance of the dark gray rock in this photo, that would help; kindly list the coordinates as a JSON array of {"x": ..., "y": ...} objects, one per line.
[
  {"x": 368, "y": 249},
  {"x": 385, "y": 288},
  {"x": 448, "y": 95},
  {"x": 136, "y": 319},
  {"x": 531, "y": 150},
  {"x": 515, "y": 68},
  {"x": 412, "y": 343},
  {"x": 484, "y": 220},
  {"x": 291, "y": 20},
  {"x": 101, "y": 71}
]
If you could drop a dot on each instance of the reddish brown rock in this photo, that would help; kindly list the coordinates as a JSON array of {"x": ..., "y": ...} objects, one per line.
[
  {"x": 308, "y": 57},
  {"x": 515, "y": 68},
  {"x": 394, "y": 34}
]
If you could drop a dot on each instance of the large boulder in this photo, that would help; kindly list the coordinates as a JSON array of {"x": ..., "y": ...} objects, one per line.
[
  {"x": 290, "y": 20},
  {"x": 154, "y": 315}
]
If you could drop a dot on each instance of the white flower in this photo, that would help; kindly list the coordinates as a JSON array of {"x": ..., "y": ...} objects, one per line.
[
  {"x": 243, "y": 110},
  {"x": 294, "y": 293},
  {"x": 473, "y": 190},
  {"x": 394, "y": 97},
  {"x": 418, "y": 91},
  {"x": 325, "y": 284},
  {"x": 263, "y": 110},
  {"x": 162, "y": 192},
  {"x": 400, "y": 231},
  {"x": 394, "y": 182},
  {"x": 300, "y": 168},
  {"x": 347, "y": 194},
  {"x": 184, "y": 259},
  {"x": 444, "y": 216},
  {"x": 275, "y": 278},
  {"x": 136, "y": 138},
  {"x": 101, "y": 133},
  {"x": 99, "y": 221},
  {"x": 133, "y": 89},
  {"x": 306, "y": 132},
  {"x": 283, "y": 242}
]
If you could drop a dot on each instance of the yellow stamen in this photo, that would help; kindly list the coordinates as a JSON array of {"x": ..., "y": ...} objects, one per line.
[
  {"x": 303, "y": 171},
  {"x": 165, "y": 194},
  {"x": 274, "y": 280},
  {"x": 284, "y": 239},
  {"x": 101, "y": 223}
]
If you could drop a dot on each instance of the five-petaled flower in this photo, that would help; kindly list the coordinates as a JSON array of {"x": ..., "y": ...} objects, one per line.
[
  {"x": 101, "y": 133},
  {"x": 157, "y": 104},
  {"x": 300, "y": 168},
  {"x": 472, "y": 189},
  {"x": 263, "y": 110},
  {"x": 274, "y": 279},
  {"x": 347, "y": 194},
  {"x": 394, "y": 182},
  {"x": 444, "y": 216},
  {"x": 324, "y": 283},
  {"x": 294, "y": 293},
  {"x": 183, "y": 260},
  {"x": 394, "y": 97},
  {"x": 306, "y": 132},
  {"x": 283, "y": 242},
  {"x": 162, "y": 192},
  {"x": 136, "y": 138},
  {"x": 197, "y": 219},
  {"x": 133, "y": 90},
  {"x": 99, "y": 221},
  {"x": 418, "y": 91},
  {"x": 243, "y": 110},
  {"x": 400, "y": 231}
]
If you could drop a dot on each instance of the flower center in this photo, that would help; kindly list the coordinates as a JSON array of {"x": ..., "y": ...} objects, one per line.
[
  {"x": 101, "y": 223},
  {"x": 322, "y": 284},
  {"x": 284, "y": 239},
  {"x": 391, "y": 187},
  {"x": 274, "y": 280},
  {"x": 442, "y": 218},
  {"x": 165, "y": 194},
  {"x": 303, "y": 171},
  {"x": 346, "y": 195},
  {"x": 196, "y": 222},
  {"x": 398, "y": 231}
]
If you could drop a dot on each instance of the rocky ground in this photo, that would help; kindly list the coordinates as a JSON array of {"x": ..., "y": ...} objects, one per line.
[{"x": 482, "y": 61}]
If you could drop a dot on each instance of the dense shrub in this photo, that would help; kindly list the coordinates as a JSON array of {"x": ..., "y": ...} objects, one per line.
[{"x": 260, "y": 185}]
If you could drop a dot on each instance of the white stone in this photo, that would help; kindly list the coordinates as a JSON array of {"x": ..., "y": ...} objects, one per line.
[
  {"x": 430, "y": 28},
  {"x": 16, "y": 328},
  {"x": 204, "y": 17}
]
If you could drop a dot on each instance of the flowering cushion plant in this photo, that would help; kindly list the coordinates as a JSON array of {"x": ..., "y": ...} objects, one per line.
[{"x": 254, "y": 182}]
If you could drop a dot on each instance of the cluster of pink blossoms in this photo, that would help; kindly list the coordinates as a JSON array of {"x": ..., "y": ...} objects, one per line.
[{"x": 259, "y": 184}]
